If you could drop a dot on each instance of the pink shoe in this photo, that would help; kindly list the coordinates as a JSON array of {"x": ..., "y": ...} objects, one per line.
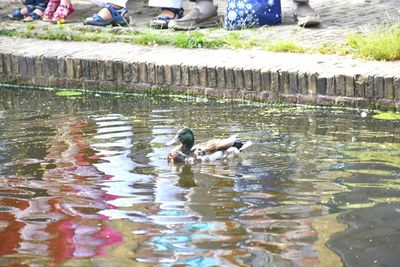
[
  {"x": 62, "y": 12},
  {"x": 50, "y": 9}
]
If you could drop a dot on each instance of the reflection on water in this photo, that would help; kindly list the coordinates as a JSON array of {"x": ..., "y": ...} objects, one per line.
[{"x": 85, "y": 182}]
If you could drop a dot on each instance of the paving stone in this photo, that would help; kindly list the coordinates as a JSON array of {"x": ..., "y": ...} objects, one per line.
[
  {"x": 101, "y": 69},
  {"x": 185, "y": 78},
  {"x": 331, "y": 86},
  {"x": 293, "y": 82},
  {"x": 239, "y": 78},
  {"x": 359, "y": 86},
  {"x": 135, "y": 72},
  {"x": 349, "y": 86},
  {"x": 340, "y": 85},
  {"x": 203, "y": 76},
  {"x": 275, "y": 81},
  {"x": 369, "y": 87},
  {"x": 176, "y": 74},
  {"x": 127, "y": 72},
  {"x": 321, "y": 85},
  {"x": 221, "y": 77},
  {"x": 312, "y": 83},
  {"x": 389, "y": 88},
  {"x": 15, "y": 64},
  {"x": 151, "y": 73},
  {"x": 396, "y": 88},
  {"x": 302, "y": 81},
  {"x": 62, "y": 69},
  {"x": 194, "y": 76},
  {"x": 248, "y": 79},
  {"x": 212, "y": 77},
  {"x": 118, "y": 71},
  {"x": 283, "y": 82},
  {"x": 230, "y": 78},
  {"x": 85, "y": 64},
  {"x": 379, "y": 87},
  {"x": 142, "y": 72},
  {"x": 168, "y": 75},
  {"x": 38, "y": 66},
  {"x": 160, "y": 75},
  {"x": 257, "y": 81},
  {"x": 78, "y": 68},
  {"x": 2, "y": 71},
  {"x": 69, "y": 66}
]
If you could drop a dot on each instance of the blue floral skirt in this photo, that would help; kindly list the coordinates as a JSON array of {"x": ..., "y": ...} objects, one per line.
[{"x": 242, "y": 14}]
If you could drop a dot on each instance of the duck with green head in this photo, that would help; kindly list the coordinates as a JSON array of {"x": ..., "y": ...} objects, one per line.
[{"x": 211, "y": 150}]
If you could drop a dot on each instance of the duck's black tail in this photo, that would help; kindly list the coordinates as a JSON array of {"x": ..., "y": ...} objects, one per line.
[{"x": 240, "y": 145}]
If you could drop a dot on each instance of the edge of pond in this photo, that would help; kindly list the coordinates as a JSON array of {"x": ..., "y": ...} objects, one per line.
[{"x": 260, "y": 76}]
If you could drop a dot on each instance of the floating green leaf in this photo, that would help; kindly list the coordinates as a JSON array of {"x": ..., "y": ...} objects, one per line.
[
  {"x": 69, "y": 93},
  {"x": 387, "y": 116}
]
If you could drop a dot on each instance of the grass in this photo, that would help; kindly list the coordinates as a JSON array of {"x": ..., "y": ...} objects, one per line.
[
  {"x": 285, "y": 46},
  {"x": 380, "y": 44}
]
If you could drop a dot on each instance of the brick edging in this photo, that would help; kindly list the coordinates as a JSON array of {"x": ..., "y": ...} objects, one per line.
[{"x": 265, "y": 84}]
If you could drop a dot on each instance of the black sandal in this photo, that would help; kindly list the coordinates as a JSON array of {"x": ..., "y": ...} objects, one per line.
[{"x": 162, "y": 21}]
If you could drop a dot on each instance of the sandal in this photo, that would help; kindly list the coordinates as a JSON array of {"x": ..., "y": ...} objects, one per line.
[
  {"x": 161, "y": 21},
  {"x": 117, "y": 18},
  {"x": 50, "y": 9},
  {"x": 36, "y": 14},
  {"x": 17, "y": 15},
  {"x": 32, "y": 16},
  {"x": 62, "y": 12}
]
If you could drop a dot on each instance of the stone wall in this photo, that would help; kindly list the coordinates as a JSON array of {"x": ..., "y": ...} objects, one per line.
[{"x": 251, "y": 80}]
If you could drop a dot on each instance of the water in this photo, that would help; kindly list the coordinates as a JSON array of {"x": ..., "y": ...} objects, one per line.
[{"x": 84, "y": 182}]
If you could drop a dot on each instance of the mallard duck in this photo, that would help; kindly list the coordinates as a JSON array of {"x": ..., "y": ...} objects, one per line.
[{"x": 211, "y": 150}]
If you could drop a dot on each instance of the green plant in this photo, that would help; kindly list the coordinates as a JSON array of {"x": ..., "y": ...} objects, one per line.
[
  {"x": 380, "y": 44},
  {"x": 285, "y": 46},
  {"x": 29, "y": 26}
]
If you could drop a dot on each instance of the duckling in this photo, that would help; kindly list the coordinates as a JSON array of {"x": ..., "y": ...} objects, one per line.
[{"x": 211, "y": 150}]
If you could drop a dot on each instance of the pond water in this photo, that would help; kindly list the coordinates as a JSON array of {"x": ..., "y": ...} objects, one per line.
[{"x": 84, "y": 181}]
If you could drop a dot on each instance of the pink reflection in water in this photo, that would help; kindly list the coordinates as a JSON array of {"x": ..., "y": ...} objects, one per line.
[{"x": 65, "y": 223}]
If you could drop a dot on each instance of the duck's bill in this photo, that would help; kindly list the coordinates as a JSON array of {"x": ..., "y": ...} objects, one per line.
[{"x": 173, "y": 141}]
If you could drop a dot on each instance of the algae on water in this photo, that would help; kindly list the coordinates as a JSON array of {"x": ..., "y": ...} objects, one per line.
[
  {"x": 68, "y": 93},
  {"x": 387, "y": 116}
]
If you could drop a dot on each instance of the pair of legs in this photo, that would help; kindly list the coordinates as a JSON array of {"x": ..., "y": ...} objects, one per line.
[
  {"x": 58, "y": 11},
  {"x": 113, "y": 12},
  {"x": 204, "y": 14}
]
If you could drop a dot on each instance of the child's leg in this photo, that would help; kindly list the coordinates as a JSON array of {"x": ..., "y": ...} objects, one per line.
[{"x": 37, "y": 12}]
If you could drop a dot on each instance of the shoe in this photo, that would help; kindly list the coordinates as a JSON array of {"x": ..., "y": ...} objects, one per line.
[
  {"x": 195, "y": 19},
  {"x": 305, "y": 15},
  {"x": 17, "y": 15},
  {"x": 162, "y": 21},
  {"x": 62, "y": 12},
  {"x": 50, "y": 9},
  {"x": 118, "y": 18}
]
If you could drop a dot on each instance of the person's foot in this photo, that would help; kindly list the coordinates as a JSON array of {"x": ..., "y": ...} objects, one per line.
[
  {"x": 109, "y": 15},
  {"x": 163, "y": 20},
  {"x": 305, "y": 15},
  {"x": 197, "y": 18},
  {"x": 34, "y": 15},
  {"x": 21, "y": 13}
]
